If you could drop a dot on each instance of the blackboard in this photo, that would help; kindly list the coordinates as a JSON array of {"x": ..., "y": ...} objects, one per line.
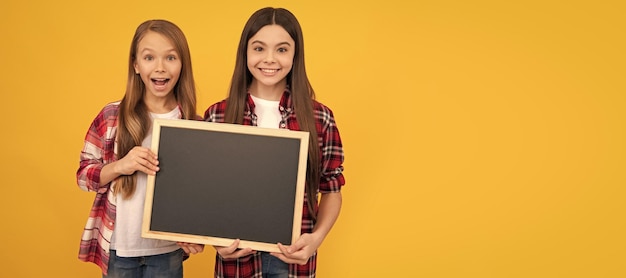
[{"x": 220, "y": 182}]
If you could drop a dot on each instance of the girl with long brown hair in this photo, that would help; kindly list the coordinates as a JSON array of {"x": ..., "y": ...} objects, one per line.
[{"x": 270, "y": 88}]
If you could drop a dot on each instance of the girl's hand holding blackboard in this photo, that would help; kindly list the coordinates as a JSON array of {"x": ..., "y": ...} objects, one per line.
[
  {"x": 138, "y": 159},
  {"x": 191, "y": 248},
  {"x": 231, "y": 252},
  {"x": 300, "y": 251}
]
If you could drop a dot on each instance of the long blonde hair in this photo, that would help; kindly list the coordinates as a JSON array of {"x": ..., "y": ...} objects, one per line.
[{"x": 134, "y": 119}]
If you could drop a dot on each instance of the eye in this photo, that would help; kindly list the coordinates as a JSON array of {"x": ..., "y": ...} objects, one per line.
[
  {"x": 172, "y": 57},
  {"x": 258, "y": 49},
  {"x": 282, "y": 49},
  {"x": 148, "y": 58}
]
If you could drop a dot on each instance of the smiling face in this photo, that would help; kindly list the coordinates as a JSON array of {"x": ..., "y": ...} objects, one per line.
[
  {"x": 158, "y": 64},
  {"x": 270, "y": 57}
]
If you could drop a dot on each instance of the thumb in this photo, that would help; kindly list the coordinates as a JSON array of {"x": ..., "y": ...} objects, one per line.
[{"x": 296, "y": 246}]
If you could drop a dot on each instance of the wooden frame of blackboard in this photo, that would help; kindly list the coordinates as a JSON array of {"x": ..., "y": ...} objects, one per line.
[{"x": 220, "y": 182}]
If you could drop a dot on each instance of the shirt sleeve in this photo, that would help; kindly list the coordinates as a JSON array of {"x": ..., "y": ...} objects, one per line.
[
  {"x": 215, "y": 112},
  {"x": 332, "y": 154},
  {"x": 98, "y": 150}
]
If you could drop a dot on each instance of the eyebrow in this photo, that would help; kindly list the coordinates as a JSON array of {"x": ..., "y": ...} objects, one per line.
[
  {"x": 150, "y": 49},
  {"x": 262, "y": 43}
]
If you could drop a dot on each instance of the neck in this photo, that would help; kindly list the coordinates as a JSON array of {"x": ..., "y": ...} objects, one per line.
[
  {"x": 160, "y": 105},
  {"x": 273, "y": 92}
]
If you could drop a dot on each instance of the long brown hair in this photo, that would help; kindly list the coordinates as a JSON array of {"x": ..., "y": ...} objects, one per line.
[
  {"x": 134, "y": 119},
  {"x": 297, "y": 80}
]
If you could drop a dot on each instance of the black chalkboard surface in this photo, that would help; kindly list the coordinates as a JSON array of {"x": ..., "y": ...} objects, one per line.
[{"x": 220, "y": 182}]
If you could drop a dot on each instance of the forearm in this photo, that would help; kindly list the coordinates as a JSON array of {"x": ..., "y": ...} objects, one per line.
[
  {"x": 328, "y": 212},
  {"x": 109, "y": 173}
]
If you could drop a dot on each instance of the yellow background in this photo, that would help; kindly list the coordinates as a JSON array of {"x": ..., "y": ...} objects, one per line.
[{"x": 482, "y": 138}]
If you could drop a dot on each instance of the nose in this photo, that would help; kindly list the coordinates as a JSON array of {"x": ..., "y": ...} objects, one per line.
[
  {"x": 269, "y": 58},
  {"x": 160, "y": 66}
]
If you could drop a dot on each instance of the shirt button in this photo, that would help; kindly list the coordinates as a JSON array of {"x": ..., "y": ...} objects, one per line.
[{"x": 282, "y": 125}]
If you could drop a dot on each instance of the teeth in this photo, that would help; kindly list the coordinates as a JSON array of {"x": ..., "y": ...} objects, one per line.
[
  {"x": 162, "y": 81},
  {"x": 269, "y": 70}
]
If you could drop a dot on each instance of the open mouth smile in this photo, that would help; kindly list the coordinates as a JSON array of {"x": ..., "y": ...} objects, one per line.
[
  {"x": 160, "y": 81},
  {"x": 269, "y": 70}
]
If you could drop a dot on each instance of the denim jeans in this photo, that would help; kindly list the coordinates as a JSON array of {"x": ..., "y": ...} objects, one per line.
[
  {"x": 273, "y": 267},
  {"x": 168, "y": 265}
]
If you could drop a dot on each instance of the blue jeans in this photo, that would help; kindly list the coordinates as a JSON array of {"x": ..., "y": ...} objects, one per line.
[
  {"x": 168, "y": 265},
  {"x": 273, "y": 267}
]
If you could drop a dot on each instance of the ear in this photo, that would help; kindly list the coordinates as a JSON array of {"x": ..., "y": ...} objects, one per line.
[{"x": 136, "y": 68}]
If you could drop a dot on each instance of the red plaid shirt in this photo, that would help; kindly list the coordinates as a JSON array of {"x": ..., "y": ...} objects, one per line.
[
  {"x": 99, "y": 149},
  {"x": 331, "y": 154}
]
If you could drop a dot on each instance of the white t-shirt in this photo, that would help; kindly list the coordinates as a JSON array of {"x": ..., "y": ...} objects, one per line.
[
  {"x": 267, "y": 112},
  {"x": 126, "y": 239}
]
